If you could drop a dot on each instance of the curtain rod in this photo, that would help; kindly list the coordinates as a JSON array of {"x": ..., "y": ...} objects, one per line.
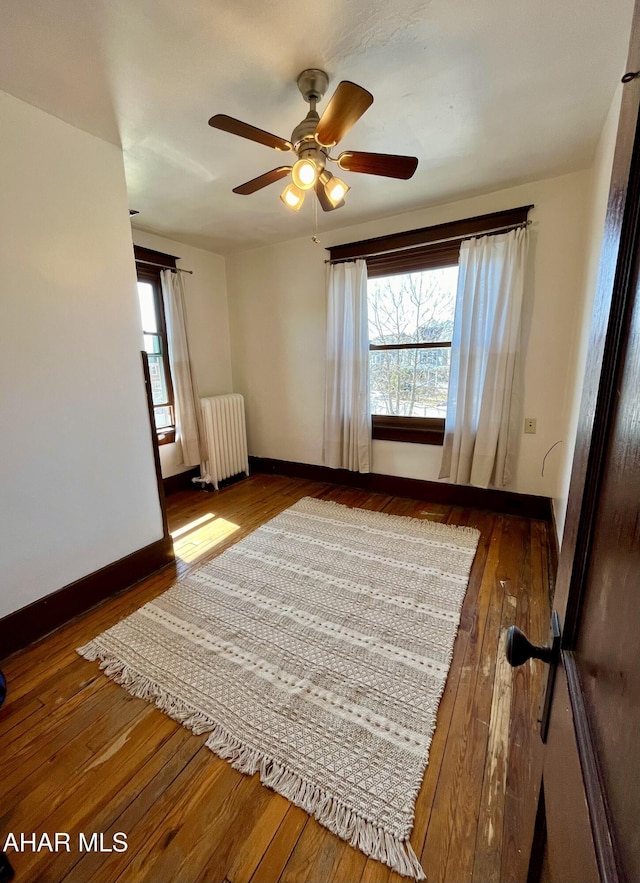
[
  {"x": 164, "y": 266},
  {"x": 375, "y": 254}
]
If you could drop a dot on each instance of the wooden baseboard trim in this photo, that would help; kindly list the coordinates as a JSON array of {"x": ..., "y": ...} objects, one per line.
[
  {"x": 30, "y": 623},
  {"x": 180, "y": 482},
  {"x": 505, "y": 502}
]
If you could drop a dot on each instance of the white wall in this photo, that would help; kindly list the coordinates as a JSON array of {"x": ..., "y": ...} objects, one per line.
[
  {"x": 77, "y": 479},
  {"x": 207, "y": 325},
  {"x": 601, "y": 179},
  {"x": 278, "y": 315}
]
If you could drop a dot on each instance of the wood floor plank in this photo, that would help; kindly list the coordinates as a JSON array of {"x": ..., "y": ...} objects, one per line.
[
  {"x": 315, "y": 856},
  {"x": 488, "y": 846},
  {"x": 330, "y": 856},
  {"x": 31, "y": 754},
  {"x": 525, "y": 758},
  {"x": 42, "y": 791},
  {"x": 194, "y": 826},
  {"x": 434, "y": 511},
  {"x": 460, "y": 861},
  {"x": 424, "y": 802},
  {"x": 188, "y": 815},
  {"x": 99, "y": 782},
  {"x": 127, "y": 813},
  {"x": 250, "y": 800},
  {"x": 148, "y": 816},
  {"x": 465, "y": 726},
  {"x": 418, "y": 509},
  {"x": 375, "y": 872},
  {"x": 350, "y": 867},
  {"x": 18, "y": 713},
  {"x": 280, "y": 848},
  {"x": 258, "y": 838},
  {"x": 50, "y": 695}
]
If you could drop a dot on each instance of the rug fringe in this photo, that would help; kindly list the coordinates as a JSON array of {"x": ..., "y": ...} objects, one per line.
[
  {"x": 330, "y": 812},
  {"x": 144, "y": 688}
]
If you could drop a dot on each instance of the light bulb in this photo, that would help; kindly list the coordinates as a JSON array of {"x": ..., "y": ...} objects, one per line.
[
  {"x": 292, "y": 197},
  {"x": 335, "y": 188},
  {"x": 304, "y": 174}
]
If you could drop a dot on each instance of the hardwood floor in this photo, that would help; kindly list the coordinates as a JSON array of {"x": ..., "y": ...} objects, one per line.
[{"x": 78, "y": 754}]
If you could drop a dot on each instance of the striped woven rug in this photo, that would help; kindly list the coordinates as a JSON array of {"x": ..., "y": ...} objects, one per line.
[{"x": 314, "y": 651}]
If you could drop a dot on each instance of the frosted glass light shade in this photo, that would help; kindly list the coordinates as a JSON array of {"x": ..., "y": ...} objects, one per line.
[
  {"x": 304, "y": 174},
  {"x": 292, "y": 197},
  {"x": 336, "y": 190}
]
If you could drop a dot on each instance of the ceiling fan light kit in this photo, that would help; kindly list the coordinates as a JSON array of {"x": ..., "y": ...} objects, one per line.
[
  {"x": 292, "y": 197},
  {"x": 334, "y": 188},
  {"x": 304, "y": 173},
  {"x": 312, "y": 141}
]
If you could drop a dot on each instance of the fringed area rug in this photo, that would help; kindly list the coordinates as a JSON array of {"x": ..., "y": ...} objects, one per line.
[{"x": 314, "y": 651}]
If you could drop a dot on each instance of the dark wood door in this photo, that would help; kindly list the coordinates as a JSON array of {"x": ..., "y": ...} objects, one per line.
[{"x": 591, "y": 778}]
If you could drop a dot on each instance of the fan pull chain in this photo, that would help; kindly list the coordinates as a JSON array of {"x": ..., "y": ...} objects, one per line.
[{"x": 315, "y": 237}]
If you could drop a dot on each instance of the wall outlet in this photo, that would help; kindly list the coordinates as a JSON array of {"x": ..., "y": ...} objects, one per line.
[{"x": 530, "y": 425}]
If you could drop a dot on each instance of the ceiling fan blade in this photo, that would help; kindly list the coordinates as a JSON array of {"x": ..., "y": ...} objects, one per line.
[
  {"x": 388, "y": 165},
  {"x": 347, "y": 105},
  {"x": 324, "y": 200},
  {"x": 244, "y": 130},
  {"x": 262, "y": 181}
]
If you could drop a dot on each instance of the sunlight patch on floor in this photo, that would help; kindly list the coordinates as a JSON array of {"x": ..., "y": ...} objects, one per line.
[
  {"x": 192, "y": 525},
  {"x": 195, "y": 539}
]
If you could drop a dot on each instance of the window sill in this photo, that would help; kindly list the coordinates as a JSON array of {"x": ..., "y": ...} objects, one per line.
[
  {"x": 166, "y": 436},
  {"x": 415, "y": 430}
]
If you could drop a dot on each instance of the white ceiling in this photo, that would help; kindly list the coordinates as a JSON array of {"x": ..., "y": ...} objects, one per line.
[{"x": 486, "y": 93}]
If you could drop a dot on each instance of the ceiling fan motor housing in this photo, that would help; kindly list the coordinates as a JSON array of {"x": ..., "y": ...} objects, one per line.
[
  {"x": 305, "y": 144},
  {"x": 305, "y": 130}
]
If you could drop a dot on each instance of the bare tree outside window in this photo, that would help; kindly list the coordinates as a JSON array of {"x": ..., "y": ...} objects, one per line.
[
  {"x": 410, "y": 328},
  {"x": 156, "y": 346}
]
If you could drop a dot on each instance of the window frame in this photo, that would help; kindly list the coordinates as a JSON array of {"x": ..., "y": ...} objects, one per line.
[
  {"x": 393, "y": 427},
  {"x": 147, "y": 272},
  {"x": 411, "y": 251}
]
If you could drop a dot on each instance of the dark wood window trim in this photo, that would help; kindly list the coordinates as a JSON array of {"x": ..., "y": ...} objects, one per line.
[
  {"x": 416, "y": 430},
  {"x": 149, "y": 264},
  {"x": 480, "y": 224},
  {"x": 149, "y": 257},
  {"x": 410, "y": 346},
  {"x": 426, "y": 248}
]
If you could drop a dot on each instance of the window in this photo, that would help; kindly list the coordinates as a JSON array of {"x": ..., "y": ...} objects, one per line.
[
  {"x": 410, "y": 330},
  {"x": 155, "y": 343},
  {"x": 412, "y": 292}
]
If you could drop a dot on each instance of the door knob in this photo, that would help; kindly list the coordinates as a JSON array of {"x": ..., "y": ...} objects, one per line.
[{"x": 519, "y": 648}]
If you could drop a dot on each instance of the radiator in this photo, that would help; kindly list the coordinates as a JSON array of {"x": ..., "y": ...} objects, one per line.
[{"x": 225, "y": 438}]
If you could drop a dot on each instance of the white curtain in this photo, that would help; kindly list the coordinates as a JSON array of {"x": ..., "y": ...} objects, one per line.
[
  {"x": 186, "y": 400},
  {"x": 347, "y": 415},
  {"x": 482, "y": 422}
]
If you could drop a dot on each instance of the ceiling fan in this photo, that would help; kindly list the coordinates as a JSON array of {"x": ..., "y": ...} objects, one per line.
[{"x": 312, "y": 141}]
